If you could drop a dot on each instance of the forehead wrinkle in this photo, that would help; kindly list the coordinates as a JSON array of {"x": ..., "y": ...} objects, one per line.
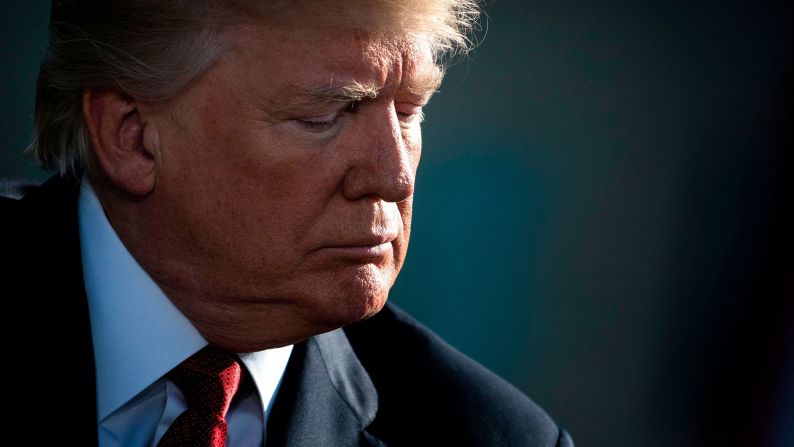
[
  {"x": 421, "y": 85},
  {"x": 418, "y": 80}
]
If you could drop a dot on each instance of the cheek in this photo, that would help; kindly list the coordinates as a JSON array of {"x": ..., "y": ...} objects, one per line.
[{"x": 240, "y": 196}]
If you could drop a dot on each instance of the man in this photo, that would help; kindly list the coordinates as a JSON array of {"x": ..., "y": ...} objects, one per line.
[{"x": 237, "y": 177}]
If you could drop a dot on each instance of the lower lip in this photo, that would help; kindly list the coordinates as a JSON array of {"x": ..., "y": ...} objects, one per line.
[{"x": 361, "y": 252}]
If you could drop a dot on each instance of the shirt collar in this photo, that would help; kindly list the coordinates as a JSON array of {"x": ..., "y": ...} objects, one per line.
[{"x": 138, "y": 334}]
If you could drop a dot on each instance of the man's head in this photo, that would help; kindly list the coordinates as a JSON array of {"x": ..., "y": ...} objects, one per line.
[{"x": 257, "y": 160}]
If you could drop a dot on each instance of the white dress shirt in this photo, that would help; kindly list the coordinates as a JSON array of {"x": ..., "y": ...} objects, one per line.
[{"x": 139, "y": 336}]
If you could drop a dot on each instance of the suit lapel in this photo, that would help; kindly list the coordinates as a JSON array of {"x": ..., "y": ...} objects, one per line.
[{"x": 327, "y": 397}]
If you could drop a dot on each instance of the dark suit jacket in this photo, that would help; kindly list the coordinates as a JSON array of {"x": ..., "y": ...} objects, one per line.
[{"x": 385, "y": 381}]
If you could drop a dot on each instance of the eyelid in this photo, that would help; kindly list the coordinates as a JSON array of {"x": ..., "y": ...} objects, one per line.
[
  {"x": 320, "y": 118},
  {"x": 323, "y": 124},
  {"x": 409, "y": 108},
  {"x": 340, "y": 108},
  {"x": 410, "y": 112}
]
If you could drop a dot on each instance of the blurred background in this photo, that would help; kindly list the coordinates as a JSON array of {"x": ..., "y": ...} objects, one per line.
[{"x": 602, "y": 211}]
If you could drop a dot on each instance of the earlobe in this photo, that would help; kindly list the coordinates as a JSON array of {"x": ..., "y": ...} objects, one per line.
[{"x": 116, "y": 131}]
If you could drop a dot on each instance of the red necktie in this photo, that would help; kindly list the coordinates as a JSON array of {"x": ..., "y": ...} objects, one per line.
[{"x": 208, "y": 380}]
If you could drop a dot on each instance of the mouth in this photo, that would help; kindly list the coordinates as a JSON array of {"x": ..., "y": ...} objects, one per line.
[
  {"x": 369, "y": 247},
  {"x": 362, "y": 251}
]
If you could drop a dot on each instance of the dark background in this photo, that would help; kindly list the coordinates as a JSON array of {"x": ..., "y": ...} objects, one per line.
[{"x": 601, "y": 211}]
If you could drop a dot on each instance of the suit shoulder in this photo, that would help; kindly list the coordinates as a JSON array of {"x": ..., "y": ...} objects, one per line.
[
  {"x": 10, "y": 193},
  {"x": 420, "y": 377},
  {"x": 27, "y": 200},
  {"x": 38, "y": 230}
]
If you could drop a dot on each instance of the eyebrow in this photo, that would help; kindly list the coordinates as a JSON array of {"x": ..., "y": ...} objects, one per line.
[
  {"x": 420, "y": 87},
  {"x": 355, "y": 91},
  {"x": 426, "y": 83}
]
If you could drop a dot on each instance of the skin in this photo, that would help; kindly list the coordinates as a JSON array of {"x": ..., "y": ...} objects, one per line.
[{"x": 267, "y": 205}]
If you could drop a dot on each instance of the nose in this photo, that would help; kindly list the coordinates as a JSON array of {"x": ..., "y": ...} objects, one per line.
[{"x": 383, "y": 161}]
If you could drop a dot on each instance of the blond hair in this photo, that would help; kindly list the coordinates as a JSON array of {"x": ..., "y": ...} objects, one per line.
[{"x": 151, "y": 49}]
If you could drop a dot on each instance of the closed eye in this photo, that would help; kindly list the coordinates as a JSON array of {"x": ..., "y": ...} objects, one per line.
[
  {"x": 410, "y": 114},
  {"x": 319, "y": 123},
  {"x": 323, "y": 123}
]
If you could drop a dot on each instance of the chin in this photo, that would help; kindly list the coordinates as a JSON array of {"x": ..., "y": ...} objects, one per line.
[
  {"x": 352, "y": 308},
  {"x": 355, "y": 300},
  {"x": 359, "y": 293}
]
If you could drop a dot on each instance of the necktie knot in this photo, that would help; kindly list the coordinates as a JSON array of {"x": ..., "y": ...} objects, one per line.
[{"x": 208, "y": 380}]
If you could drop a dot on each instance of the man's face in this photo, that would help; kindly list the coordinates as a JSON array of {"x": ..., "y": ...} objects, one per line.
[{"x": 286, "y": 173}]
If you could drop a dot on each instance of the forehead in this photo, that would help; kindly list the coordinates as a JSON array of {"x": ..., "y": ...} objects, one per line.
[{"x": 313, "y": 55}]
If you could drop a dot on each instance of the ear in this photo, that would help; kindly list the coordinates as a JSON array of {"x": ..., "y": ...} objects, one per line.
[{"x": 116, "y": 130}]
